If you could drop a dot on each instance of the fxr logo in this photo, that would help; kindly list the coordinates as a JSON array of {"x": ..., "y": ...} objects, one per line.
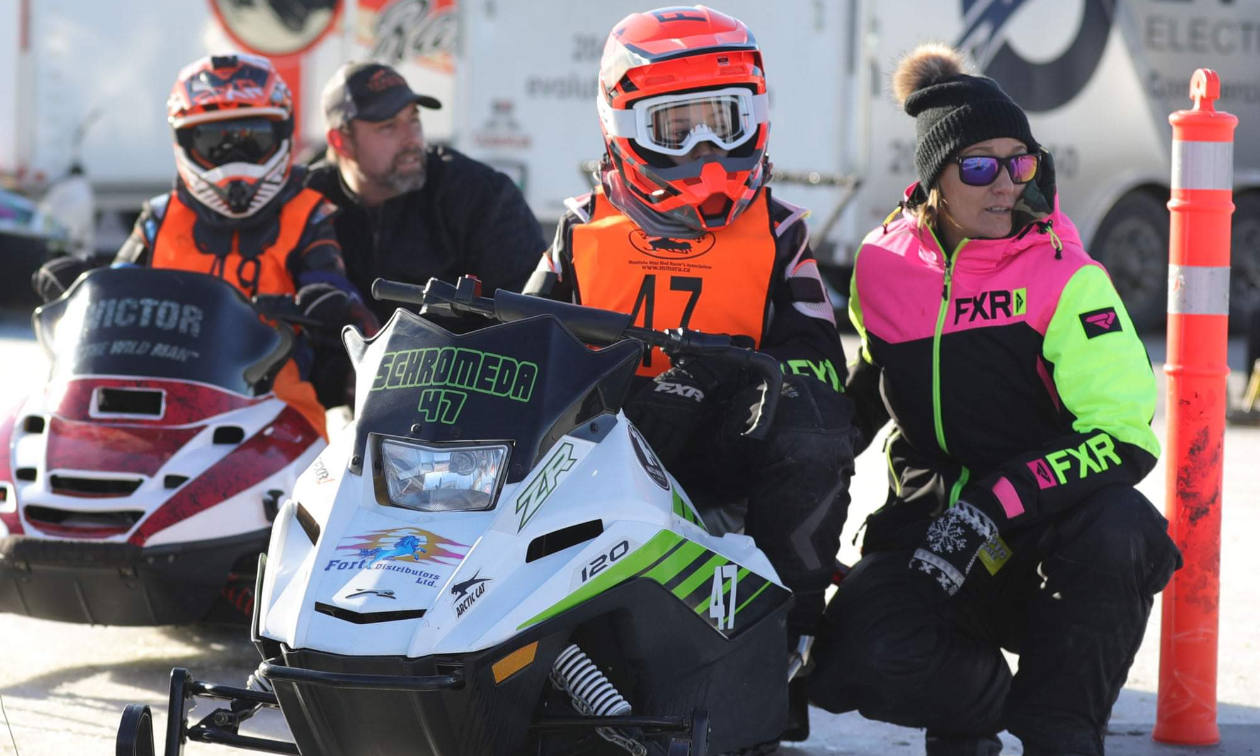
[
  {"x": 1103, "y": 321},
  {"x": 1096, "y": 455},
  {"x": 987, "y": 304}
]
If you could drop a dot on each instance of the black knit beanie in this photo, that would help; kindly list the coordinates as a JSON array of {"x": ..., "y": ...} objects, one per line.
[{"x": 956, "y": 112}]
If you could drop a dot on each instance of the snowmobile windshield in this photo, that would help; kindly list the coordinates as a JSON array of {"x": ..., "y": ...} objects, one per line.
[
  {"x": 151, "y": 323},
  {"x": 525, "y": 383}
]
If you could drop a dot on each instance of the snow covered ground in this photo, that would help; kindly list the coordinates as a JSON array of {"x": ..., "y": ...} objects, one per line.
[{"x": 63, "y": 686}]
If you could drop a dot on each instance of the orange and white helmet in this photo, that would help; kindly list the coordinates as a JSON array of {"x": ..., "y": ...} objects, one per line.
[
  {"x": 672, "y": 79},
  {"x": 233, "y": 122}
]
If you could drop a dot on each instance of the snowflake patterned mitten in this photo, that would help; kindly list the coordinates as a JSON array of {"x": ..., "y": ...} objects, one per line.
[{"x": 952, "y": 544}]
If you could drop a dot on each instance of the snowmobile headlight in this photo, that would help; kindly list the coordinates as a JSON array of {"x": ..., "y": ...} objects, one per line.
[{"x": 442, "y": 479}]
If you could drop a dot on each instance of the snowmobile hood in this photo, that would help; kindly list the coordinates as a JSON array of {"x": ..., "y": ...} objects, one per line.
[
  {"x": 154, "y": 323},
  {"x": 419, "y": 380}
]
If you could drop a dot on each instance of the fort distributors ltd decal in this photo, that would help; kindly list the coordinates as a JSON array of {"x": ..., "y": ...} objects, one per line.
[{"x": 399, "y": 550}]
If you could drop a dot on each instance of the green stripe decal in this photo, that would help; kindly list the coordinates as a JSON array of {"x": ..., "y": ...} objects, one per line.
[
  {"x": 682, "y": 510},
  {"x": 631, "y": 565},
  {"x": 675, "y": 562},
  {"x": 702, "y": 575},
  {"x": 764, "y": 586},
  {"x": 726, "y": 588}
]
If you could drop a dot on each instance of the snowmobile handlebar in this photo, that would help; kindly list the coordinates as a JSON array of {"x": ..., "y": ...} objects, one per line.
[
  {"x": 283, "y": 308},
  {"x": 594, "y": 325}
]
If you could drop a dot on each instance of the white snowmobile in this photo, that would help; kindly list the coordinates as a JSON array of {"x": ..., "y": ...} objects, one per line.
[{"x": 492, "y": 560}]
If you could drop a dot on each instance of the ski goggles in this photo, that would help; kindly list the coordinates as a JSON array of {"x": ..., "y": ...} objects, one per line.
[
  {"x": 982, "y": 170},
  {"x": 239, "y": 140},
  {"x": 674, "y": 124}
]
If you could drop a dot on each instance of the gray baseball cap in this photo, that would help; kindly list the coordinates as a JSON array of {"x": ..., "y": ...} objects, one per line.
[{"x": 369, "y": 92}]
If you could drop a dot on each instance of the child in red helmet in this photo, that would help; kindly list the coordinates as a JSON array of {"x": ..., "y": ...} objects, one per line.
[
  {"x": 238, "y": 210},
  {"x": 683, "y": 232}
]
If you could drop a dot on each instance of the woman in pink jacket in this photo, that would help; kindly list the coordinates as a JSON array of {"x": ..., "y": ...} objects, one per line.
[{"x": 1022, "y": 400}]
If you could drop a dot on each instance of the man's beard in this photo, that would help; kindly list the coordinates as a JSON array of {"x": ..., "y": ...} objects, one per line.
[{"x": 402, "y": 182}]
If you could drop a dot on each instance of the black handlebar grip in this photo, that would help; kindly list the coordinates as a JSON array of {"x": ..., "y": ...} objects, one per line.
[
  {"x": 395, "y": 291},
  {"x": 587, "y": 323}
]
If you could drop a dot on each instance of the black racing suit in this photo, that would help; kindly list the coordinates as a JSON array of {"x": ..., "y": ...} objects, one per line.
[
  {"x": 1017, "y": 386},
  {"x": 758, "y": 278}
]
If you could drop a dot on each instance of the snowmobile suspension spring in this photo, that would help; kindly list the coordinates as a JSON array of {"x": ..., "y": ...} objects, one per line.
[{"x": 587, "y": 685}]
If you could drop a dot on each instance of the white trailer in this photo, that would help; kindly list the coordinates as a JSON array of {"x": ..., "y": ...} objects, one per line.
[
  {"x": 518, "y": 81},
  {"x": 1098, "y": 78}
]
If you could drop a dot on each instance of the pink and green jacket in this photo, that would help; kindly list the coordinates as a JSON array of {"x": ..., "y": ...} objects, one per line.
[{"x": 1010, "y": 368}]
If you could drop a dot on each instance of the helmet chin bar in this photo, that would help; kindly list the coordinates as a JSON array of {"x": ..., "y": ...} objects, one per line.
[
  {"x": 681, "y": 222},
  {"x": 238, "y": 196},
  {"x": 235, "y": 190}
]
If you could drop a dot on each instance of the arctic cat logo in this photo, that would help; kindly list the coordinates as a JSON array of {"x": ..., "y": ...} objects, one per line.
[
  {"x": 144, "y": 312},
  {"x": 532, "y": 498},
  {"x": 460, "y": 590},
  {"x": 987, "y": 304},
  {"x": 1090, "y": 457},
  {"x": 468, "y": 592},
  {"x": 665, "y": 248},
  {"x": 459, "y": 370}
]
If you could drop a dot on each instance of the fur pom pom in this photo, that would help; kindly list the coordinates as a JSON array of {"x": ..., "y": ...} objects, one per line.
[{"x": 925, "y": 65}]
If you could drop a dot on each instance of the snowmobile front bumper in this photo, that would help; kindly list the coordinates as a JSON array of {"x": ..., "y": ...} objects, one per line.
[
  {"x": 118, "y": 583},
  {"x": 482, "y": 704},
  {"x": 221, "y": 727}
]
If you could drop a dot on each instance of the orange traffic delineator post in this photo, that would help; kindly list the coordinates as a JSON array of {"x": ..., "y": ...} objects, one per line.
[{"x": 1198, "y": 327}]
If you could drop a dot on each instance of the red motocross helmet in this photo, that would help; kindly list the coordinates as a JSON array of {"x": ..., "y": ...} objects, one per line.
[
  {"x": 233, "y": 122},
  {"x": 672, "y": 79}
]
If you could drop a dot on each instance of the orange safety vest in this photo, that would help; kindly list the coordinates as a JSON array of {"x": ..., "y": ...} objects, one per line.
[
  {"x": 264, "y": 273},
  {"x": 718, "y": 283}
]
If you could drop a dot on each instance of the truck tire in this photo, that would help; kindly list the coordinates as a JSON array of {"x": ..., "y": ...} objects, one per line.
[
  {"x": 1132, "y": 242},
  {"x": 1244, "y": 260}
]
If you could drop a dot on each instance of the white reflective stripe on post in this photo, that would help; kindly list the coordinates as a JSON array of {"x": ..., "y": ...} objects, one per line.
[
  {"x": 1198, "y": 290},
  {"x": 1202, "y": 165}
]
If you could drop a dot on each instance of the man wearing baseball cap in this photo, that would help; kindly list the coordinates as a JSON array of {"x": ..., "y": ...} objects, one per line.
[{"x": 411, "y": 211}]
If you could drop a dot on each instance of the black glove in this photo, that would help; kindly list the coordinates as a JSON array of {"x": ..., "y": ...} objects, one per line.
[
  {"x": 327, "y": 305},
  {"x": 55, "y": 276},
  {"x": 950, "y": 548},
  {"x": 667, "y": 411},
  {"x": 719, "y": 379}
]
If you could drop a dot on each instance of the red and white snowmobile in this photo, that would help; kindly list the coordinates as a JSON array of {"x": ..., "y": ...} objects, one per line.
[{"x": 138, "y": 487}]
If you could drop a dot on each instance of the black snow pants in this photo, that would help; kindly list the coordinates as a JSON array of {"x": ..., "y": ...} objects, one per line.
[{"x": 1072, "y": 602}]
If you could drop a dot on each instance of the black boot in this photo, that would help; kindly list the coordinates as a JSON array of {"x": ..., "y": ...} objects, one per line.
[
  {"x": 948, "y": 744},
  {"x": 798, "y": 712}
]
